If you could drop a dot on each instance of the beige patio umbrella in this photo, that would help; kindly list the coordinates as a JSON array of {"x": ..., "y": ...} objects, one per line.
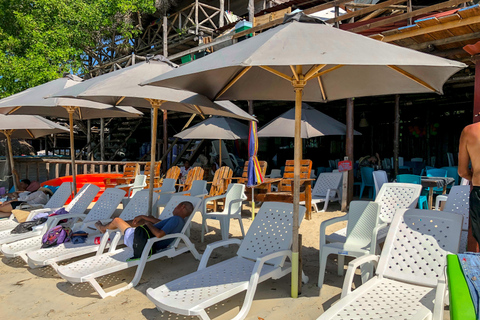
[
  {"x": 122, "y": 87},
  {"x": 306, "y": 60},
  {"x": 25, "y": 127},
  {"x": 32, "y": 102}
]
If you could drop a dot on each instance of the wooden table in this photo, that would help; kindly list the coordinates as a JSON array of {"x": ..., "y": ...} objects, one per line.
[{"x": 436, "y": 182}]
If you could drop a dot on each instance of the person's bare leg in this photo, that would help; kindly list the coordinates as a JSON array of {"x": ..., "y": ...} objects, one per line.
[
  {"x": 116, "y": 223},
  {"x": 5, "y": 210}
]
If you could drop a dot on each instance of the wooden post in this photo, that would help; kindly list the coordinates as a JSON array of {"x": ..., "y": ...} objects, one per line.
[
  {"x": 298, "y": 85},
  {"x": 165, "y": 137},
  {"x": 46, "y": 146},
  {"x": 220, "y": 153},
  {"x": 396, "y": 134},
  {"x": 89, "y": 136},
  {"x": 251, "y": 10},
  {"x": 165, "y": 37},
  {"x": 47, "y": 168},
  {"x": 102, "y": 139},
  {"x": 221, "y": 16},
  {"x": 345, "y": 188},
  {"x": 155, "y": 104},
  {"x": 70, "y": 111},
  {"x": 250, "y": 107},
  {"x": 349, "y": 145},
  {"x": 196, "y": 18},
  {"x": 10, "y": 156}
]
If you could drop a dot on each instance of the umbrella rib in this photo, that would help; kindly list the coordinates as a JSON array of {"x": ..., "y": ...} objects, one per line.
[
  {"x": 29, "y": 133},
  {"x": 231, "y": 83},
  {"x": 119, "y": 100},
  {"x": 200, "y": 111},
  {"x": 14, "y": 109},
  {"x": 294, "y": 73},
  {"x": 412, "y": 77},
  {"x": 278, "y": 73},
  {"x": 319, "y": 74},
  {"x": 314, "y": 70},
  {"x": 322, "y": 89}
]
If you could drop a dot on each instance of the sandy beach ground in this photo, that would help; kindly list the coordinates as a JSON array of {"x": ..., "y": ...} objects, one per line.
[{"x": 41, "y": 294}]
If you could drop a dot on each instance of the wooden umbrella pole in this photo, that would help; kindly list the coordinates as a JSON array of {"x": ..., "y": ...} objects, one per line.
[
  {"x": 155, "y": 106},
  {"x": 220, "y": 153},
  {"x": 10, "y": 156},
  {"x": 298, "y": 85},
  {"x": 70, "y": 111}
]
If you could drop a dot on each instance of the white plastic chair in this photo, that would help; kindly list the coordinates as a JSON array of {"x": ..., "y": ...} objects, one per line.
[
  {"x": 58, "y": 199},
  {"x": 326, "y": 189},
  {"x": 198, "y": 189},
  {"x": 138, "y": 205},
  {"x": 232, "y": 209},
  {"x": 116, "y": 259},
  {"x": 165, "y": 193},
  {"x": 363, "y": 225},
  {"x": 392, "y": 196},
  {"x": 410, "y": 278},
  {"x": 379, "y": 178},
  {"x": 101, "y": 210},
  {"x": 138, "y": 184},
  {"x": 77, "y": 207},
  {"x": 275, "y": 173},
  {"x": 261, "y": 256}
]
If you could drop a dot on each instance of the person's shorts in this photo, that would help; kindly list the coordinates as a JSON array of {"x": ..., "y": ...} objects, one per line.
[
  {"x": 128, "y": 237},
  {"x": 15, "y": 204}
]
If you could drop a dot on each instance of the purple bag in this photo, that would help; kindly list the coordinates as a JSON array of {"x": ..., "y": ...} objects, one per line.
[
  {"x": 58, "y": 212},
  {"x": 55, "y": 236}
]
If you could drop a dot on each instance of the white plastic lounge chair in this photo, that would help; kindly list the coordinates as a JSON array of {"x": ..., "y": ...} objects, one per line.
[
  {"x": 261, "y": 256},
  {"x": 363, "y": 225},
  {"x": 77, "y": 207},
  {"x": 410, "y": 278},
  {"x": 392, "y": 196},
  {"x": 101, "y": 210},
  {"x": 138, "y": 205},
  {"x": 58, "y": 199},
  {"x": 232, "y": 209},
  {"x": 115, "y": 259},
  {"x": 138, "y": 184},
  {"x": 326, "y": 189},
  {"x": 379, "y": 178}
]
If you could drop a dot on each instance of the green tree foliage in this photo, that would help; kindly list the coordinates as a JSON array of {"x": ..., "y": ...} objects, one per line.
[{"x": 42, "y": 39}]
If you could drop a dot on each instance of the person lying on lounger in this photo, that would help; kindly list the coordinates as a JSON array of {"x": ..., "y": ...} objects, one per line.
[
  {"x": 158, "y": 227},
  {"x": 38, "y": 197}
]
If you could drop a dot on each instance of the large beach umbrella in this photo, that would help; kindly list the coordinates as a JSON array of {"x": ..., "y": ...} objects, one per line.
[
  {"x": 25, "y": 127},
  {"x": 313, "y": 124},
  {"x": 254, "y": 173},
  {"x": 122, "y": 87},
  {"x": 32, "y": 102},
  {"x": 216, "y": 128},
  {"x": 304, "y": 59}
]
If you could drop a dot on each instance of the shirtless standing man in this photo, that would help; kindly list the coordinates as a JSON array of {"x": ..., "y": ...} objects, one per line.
[{"x": 469, "y": 150}]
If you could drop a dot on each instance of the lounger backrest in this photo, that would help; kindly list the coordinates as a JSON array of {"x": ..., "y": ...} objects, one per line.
[
  {"x": 60, "y": 196},
  {"x": 359, "y": 232},
  {"x": 394, "y": 196},
  {"x": 271, "y": 231},
  {"x": 417, "y": 245},
  {"x": 172, "y": 204},
  {"x": 105, "y": 205},
  {"x": 327, "y": 180},
  {"x": 83, "y": 199},
  {"x": 458, "y": 202},
  {"x": 137, "y": 205}
]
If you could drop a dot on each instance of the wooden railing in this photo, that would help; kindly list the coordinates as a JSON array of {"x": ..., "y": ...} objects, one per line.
[{"x": 46, "y": 169}]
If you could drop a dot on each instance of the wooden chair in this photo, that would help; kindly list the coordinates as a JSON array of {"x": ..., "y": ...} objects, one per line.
[
  {"x": 285, "y": 186},
  {"x": 172, "y": 173},
  {"x": 194, "y": 174},
  {"x": 146, "y": 171},
  {"x": 130, "y": 170},
  {"x": 221, "y": 180}
]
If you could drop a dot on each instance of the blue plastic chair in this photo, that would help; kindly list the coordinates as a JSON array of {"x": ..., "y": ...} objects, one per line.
[
  {"x": 453, "y": 173},
  {"x": 412, "y": 178},
  {"x": 367, "y": 181},
  {"x": 437, "y": 173}
]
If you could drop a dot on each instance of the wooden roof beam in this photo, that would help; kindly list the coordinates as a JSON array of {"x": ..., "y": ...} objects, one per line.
[
  {"x": 365, "y": 10},
  {"x": 440, "y": 42},
  {"x": 405, "y": 16}
]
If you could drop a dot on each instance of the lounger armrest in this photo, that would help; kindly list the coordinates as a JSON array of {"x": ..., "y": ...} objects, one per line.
[
  {"x": 55, "y": 219},
  {"x": 222, "y": 196},
  {"x": 33, "y": 213},
  {"x": 375, "y": 232},
  {"x": 273, "y": 255},
  {"x": 352, "y": 266},
  {"x": 118, "y": 186},
  {"x": 213, "y": 246},
  {"x": 326, "y": 223},
  {"x": 182, "y": 236},
  {"x": 440, "y": 296}
]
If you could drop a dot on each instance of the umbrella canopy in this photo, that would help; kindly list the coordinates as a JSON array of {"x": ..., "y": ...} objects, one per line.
[
  {"x": 319, "y": 63},
  {"x": 32, "y": 102},
  {"x": 122, "y": 87},
  {"x": 215, "y": 128},
  {"x": 314, "y": 124},
  {"x": 25, "y": 127}
]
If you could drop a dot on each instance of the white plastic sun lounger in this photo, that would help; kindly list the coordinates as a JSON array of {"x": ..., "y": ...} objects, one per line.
[
  {"x": 101, "y": 210},
  {"x": 261, "y": 256},
  {"x": 138, "y": 205},
  {"x": 115, "y": 259}
]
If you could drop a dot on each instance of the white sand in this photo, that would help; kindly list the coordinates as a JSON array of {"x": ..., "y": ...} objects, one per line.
[{"x": 41, "y": 294}]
